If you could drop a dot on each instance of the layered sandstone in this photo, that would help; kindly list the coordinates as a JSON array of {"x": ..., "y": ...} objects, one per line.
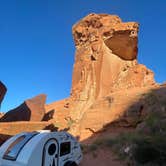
[
  {"x": 31, "y": 110},
  {"x": 106, "y": 74},
  {"x": 8, "y": 129},
  {"x": 106, "y": 57},
  {"x": 105, "y": 60}
]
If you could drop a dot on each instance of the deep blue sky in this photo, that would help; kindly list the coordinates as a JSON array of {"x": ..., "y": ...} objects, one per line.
[{"x": 37, "y": 49}]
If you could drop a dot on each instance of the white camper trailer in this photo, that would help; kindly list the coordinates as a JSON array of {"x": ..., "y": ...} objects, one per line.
[{"x": 42, "y": 148}]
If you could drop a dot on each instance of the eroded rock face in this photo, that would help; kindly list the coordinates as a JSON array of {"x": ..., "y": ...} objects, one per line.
[
  {"x": 105, "y": 60},
  {"x": 31, "y": 110},
  {"x": 106, "y": 57},
  {"x": 3, "y": 90},
  {"x": 106, "y": 76}
]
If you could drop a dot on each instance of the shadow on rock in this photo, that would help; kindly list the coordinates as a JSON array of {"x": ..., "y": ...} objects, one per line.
[{"x": 137, "y": 136}]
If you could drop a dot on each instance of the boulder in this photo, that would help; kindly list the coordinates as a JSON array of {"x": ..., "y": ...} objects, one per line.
[{"x": 31, "y": 110}]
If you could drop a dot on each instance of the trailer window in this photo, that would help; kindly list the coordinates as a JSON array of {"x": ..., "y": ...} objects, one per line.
[
  {"x": 15, "y": 147},
  {"x": 65, "y": 148}
]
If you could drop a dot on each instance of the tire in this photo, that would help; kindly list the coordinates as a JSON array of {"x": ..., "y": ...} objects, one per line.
[{"x": 70, "y": 163}]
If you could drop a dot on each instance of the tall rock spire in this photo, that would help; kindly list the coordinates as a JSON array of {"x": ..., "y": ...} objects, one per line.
[{"x": 106, "y": 57}]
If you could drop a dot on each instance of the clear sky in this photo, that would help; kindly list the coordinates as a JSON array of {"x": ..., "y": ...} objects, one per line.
[{"x": 37, "y": 49}]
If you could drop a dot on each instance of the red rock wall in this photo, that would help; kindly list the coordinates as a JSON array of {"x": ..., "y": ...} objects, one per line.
[{"x": 105, "y": 72}]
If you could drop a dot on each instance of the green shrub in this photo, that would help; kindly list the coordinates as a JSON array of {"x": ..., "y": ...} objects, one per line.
[
  {"x": 144, "y": 149},
  {"x": 156, "y": 123},
  {"x": 133, "y": 147},
  {"x": 153, "y": 118},
  {"x": 144, "y": 152},
  {"x": 150, "y": 98}
]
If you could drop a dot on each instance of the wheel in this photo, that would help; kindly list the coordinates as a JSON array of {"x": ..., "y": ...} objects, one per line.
[{"x": 70, "y": 163}]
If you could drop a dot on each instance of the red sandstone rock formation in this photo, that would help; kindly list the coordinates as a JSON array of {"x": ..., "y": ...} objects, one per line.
[
  {"x": 105, "y": 72},
  {"x": 105, "y": 60},
  {"x": 8, "y": 129},
  {"x": 108, "y": 84},
  {"x": 3, "y": 90},
  {"x": 106, "y": 57},
  {"x": 31, "y": 110}
]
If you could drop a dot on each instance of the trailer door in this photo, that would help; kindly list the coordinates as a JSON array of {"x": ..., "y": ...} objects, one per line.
[{"x": 50, "y": 153}]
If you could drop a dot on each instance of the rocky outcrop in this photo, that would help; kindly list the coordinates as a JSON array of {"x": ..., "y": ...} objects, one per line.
[
  {"x": 3, "y": 90},
  {"x": 108, "y": 84},
  {"x": 31, "y": 110},
  {"x": 106, "y": 57},
  {"x": 61, "y": 111},
  {"x": 105, "y": 60},
  {"x": 12, "y": 128},
  {"x": 106, "y": 73}
]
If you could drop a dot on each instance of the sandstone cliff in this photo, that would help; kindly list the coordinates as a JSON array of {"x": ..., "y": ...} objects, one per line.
[
  {"x": 107, "y": 85},
  {"x": 106, "y": 70},
  {"x": 110, "y": 91}
]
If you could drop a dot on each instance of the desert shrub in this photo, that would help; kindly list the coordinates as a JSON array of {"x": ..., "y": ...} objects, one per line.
[
  {"x": 84, "y": 148},
  {"x": 151, "y": 150},
  {"x": 150, "y": 98},
  {"x": 99, "y": 142},
  {"x": 142, "y": 149},
  {"x": 138, "y": 148},
  {"x": 89, "y": 148},
  {"x": 144, "y": 152},
  {"x": 156, "y": 123},
  {"x": 163, "y": 102},
  {"x": 154, "y": 117}
]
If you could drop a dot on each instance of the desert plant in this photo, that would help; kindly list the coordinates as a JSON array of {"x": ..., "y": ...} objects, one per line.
[
  {"x": 140, "y": 149},
  {"x": 151, "y": 98},
  {"x": 155, "y": 122},
  {"x": 89, "y": 148}
]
